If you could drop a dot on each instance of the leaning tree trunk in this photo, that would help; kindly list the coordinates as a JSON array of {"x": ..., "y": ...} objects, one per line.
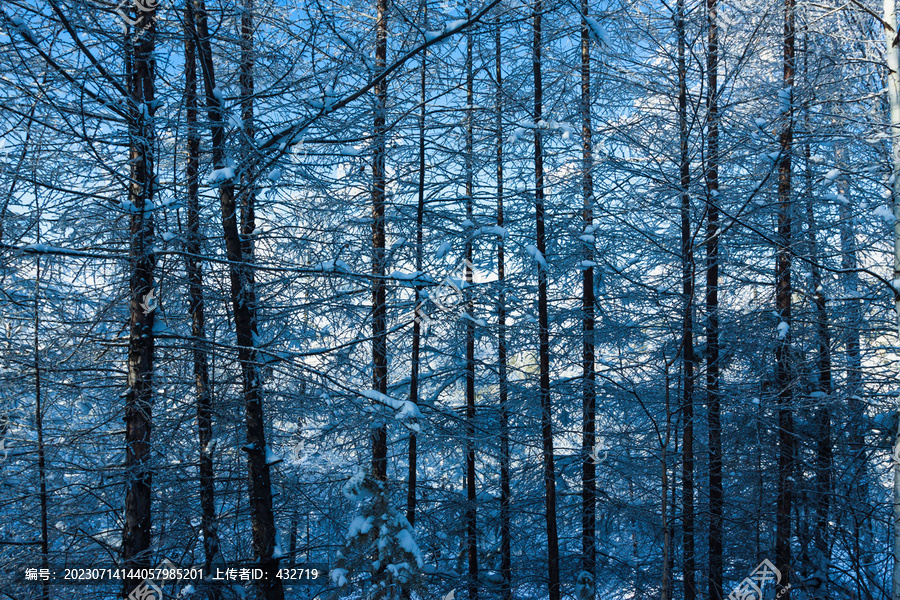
[
  {"x": 244, "y": 310},
  {"x": 379, "y": 291},
  {"x": 713, "y": 397},
  {"x": 783, "y": 363},
  {"x": 505, "y": 492},
  {"x": 588, "y": 373},
  {"x": 141, "y": 73},
  {"x": 543, "y": 323},
  {"x": 196, "y": 303}
]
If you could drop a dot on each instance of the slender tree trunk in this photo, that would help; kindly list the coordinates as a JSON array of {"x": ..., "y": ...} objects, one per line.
[
  {"x": 588, "y": 374},
  {"x": 823, "y": 382},
  {"x": 265, "y": 531},
  {"x": 196, "y": 302},
  {"x": 292, "y": 545},
  {"x": 39, "y": 426},
  {"x": 892, "y": 56},
  {"x": 471, "y": 507},
  {"x": 141, "y": 72},
  {"x": 379, "y": 292},
  {"x": 822, "y": 394},
  {"x": 713, "y": 397},
  {"x": 505, "y": 492},
  {"x": 664, "y": 588},
  {"x": 858, "y": 470},
  {"x": 417, "y": 325},
  {"x": 543, "y": 322},
  {"x": 248, "y": 132},
  {"x": 687, "y": 290},
  {"x": 783, "y": 363},
  {"x": 244, "y": 310}
]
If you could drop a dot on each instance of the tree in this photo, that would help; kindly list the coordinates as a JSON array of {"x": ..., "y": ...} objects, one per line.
[
  {"x": 543, "y": 320},
  {"x": 783, "y": 363},
  {"x": 589, "y": 375},
  {"x": 193, "y": 249},
  {"x": 140, "y": 45}
]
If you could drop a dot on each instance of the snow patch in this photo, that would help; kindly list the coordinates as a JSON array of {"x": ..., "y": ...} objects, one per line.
[
  {"x": 782, "y": 330},
  {"x": 534, "y": 253},
  {"x": 885, "y": 213}
]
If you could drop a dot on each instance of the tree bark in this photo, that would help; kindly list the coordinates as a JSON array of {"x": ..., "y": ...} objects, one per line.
[
  {"x": 543, "y": 323},
  {"x": 379, "y": 292},
  {"x": 39, "y": 426},
  {"x": 892, "y": 56},
  {"x": 588, "y": 373},
  {"x": 783, "y": 362},
  {"x": 713, "y": 397},
  {"x": 417, "y": 325},
  {"x": 471, "y": 507},
  {"x": 141, "y": 74},
  {"x": 505, "y": 492},
  {"x": 687, "y": 329},
  {"x": 244, "y": 311},
  {"x": 196, "y": 302}
]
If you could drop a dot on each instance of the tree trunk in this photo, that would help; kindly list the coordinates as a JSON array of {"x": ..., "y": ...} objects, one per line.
[
  {"x": 687, "y": 290},
  {"x": 141, "y": 72},
  {"x": 822, "y": 394},
  {"x": 39, "y": 426},
  {"x": 588, "y": 374},
  {"x": 417, "y": 325},
  {"x": 713, "y": 397},
  {"x": 379, "y": 292},
  {"x": 505, "y": 492},
  {"x": 196, "y": 302},
  {"x": 892, "y": 55},
  {"x": 664, "y": 589},
  {"x": 822, "y": 384},
  {"x": 858, "y": 491},
  {"x": 543, "y": 324},
  {"x": 244, "y": 310},
  {"x": 783, "y": 363},
  {"x": 471, "y": 507}
]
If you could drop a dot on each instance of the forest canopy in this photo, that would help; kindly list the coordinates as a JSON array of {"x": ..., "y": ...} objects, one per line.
[{"x": 404, "y": 299}]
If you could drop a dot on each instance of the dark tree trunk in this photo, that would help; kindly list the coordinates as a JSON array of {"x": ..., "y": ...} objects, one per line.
[
  {"x": 141, "y": 72},
  {"x": 783, "y": 364},
  {"x": 379, "y": 292},
  {"x": 417, "y": 325},
  {"x": 687, "y": 288},
  {"x": 713, "y": 397},
  {"x": 543, "y": 322},
  {"x": 39, "y": 427},
  {"x": 589, "y": 376},
  {"x": 244, "y": 310},
  {"x": 505, "y": 492},
  {"x": 471, "y": 507},
  {"x": 196, "y": 303}
]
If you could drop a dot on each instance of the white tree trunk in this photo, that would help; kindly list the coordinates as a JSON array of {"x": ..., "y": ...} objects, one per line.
[{"x": 892, "y": 56}]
